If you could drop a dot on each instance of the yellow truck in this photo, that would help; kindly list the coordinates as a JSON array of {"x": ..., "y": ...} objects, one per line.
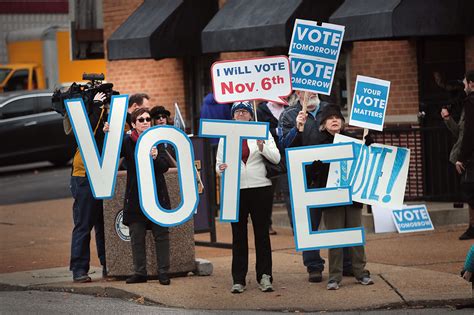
[{"x": 41, "y": 58}]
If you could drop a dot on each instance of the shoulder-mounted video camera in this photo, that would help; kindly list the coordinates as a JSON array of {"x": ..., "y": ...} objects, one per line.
[{"x": 85, "y": 91}]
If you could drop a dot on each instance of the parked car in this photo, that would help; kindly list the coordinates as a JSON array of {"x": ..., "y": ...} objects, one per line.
[{"x": 31, "y": 131}]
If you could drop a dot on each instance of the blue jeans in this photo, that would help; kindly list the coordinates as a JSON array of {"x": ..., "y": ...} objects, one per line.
[{"x": 87, "y": 214}]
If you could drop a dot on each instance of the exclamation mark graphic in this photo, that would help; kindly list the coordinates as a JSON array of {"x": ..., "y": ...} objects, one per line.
[{"x": 397, "y": 166}]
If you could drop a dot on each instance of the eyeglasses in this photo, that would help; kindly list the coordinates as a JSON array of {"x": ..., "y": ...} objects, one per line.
[
  {"x": 142, "y": 120},
  {"x": 241, "y": 111},
  {"x": 161, "y": 117}
]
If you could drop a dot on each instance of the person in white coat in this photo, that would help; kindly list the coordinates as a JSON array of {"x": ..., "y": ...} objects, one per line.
[{"x": 256, "y": 200}]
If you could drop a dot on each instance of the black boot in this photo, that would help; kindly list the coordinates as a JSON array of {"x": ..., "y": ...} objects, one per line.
[
  {"x": 136, "y": 279},
  {"x": 164, "y": 279},
  {"x": 469, "y": 234}
]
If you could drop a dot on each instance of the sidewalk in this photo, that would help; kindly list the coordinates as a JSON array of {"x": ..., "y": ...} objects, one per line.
[{"x": 419, "y": 269}]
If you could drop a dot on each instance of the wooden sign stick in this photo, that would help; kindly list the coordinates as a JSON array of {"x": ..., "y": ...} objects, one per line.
[
  {"x": 366, "y": 132},
  {"x": 304, "y": 108},
  {"x": 254, "y": 102}
]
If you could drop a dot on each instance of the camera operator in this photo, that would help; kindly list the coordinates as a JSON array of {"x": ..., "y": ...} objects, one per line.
[{"x": 87, "y": 211}]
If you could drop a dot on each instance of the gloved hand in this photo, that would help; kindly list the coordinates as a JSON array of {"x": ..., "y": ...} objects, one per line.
[
  {"x": 368, "y": 140},
  {"x": 316, "y": 168}
]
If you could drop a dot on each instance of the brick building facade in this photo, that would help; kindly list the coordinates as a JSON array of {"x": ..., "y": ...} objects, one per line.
[
  {"x": 162, "y": 80},
  {"x": 407, "y": 62}
]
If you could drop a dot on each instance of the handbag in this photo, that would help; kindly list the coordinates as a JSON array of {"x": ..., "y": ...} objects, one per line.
[{"x": 274, "y": 170}]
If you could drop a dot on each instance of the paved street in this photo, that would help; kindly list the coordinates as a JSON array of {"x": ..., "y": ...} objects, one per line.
[
  {"x": 414, "y": 270},
  {"x": 33, "y": 182},
  {"x": 61, "y": 303}
]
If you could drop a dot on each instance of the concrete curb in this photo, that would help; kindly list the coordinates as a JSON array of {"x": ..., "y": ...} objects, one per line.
[{"x": 112, "y": 292}]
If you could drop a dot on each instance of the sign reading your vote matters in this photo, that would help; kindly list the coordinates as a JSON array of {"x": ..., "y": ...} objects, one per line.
[{"x": 370, "y": 103}]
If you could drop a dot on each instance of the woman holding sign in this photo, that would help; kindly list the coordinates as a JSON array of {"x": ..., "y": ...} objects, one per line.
[
  {"x": 256, "y": 200},
  {"x": 339, "y": 217},
  {"x": 133, "y": 216}
]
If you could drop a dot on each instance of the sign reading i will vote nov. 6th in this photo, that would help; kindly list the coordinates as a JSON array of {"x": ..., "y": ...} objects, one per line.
[
  {"x": 377, "y": 174},
  {"x": 314, "y": 51},
  {"x": 370, "y": 103},
  {"x": 266, "y": 78},
  {"x": 412, "y": 219}
]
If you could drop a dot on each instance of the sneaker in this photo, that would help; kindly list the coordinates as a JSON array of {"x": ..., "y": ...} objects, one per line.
[
  {"x": 315, "y": 276},
  {"x": 82, "y": 278},
  {"x": 164, "y": 279},
  {"x": 366, "y": 280},
  {"x": 237, "y": 288},
  {"x": 468, "y": 234},
  {"x": 332, "y": 285},
  {"x": 266, "y": 284},
  {"x": 136, "y": 279}
]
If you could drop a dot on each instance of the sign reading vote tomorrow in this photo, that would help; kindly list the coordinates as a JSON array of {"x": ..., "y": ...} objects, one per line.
[
  {"x": 314, "y": 51},
  {"x": 412, "y": 219},
  {"x": 312, "y": 75},
  {"x": 318, "y": 41},
  {"x": 370, "y": 103}
]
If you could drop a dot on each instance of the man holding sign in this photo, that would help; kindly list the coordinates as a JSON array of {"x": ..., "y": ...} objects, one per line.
[{"x": 291, "y": 121}]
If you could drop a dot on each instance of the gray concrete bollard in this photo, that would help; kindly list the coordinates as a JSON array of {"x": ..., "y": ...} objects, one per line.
[{"x": 117, "y": 241}]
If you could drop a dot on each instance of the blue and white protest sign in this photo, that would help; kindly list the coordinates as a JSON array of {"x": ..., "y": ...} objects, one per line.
[
  {"x": 232, "y": 134},
  {"x": 312, "y": 75},
  {"x": 311, "y": 40},
  {"x": 412, "y": 219},
  {"x": 314, "y": 51},
  {"x": 303, "y": 199},
  {"x": 370, "y": 103},
  {"x": 378, "y": 173},
  {"x": 266, "y": 78},
  {"x": 147, "y": 189},
  {"x": 101, "y": 170}
]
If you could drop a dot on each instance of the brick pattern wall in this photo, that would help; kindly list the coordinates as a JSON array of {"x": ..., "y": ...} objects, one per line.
[
  {"x": 394, "y": 61},
  {"x": 162, "y": 80},
  {"x": 241, "y": 55},
  {"x": 469, "y": 53},
  {"x": 411, "y": 139}
]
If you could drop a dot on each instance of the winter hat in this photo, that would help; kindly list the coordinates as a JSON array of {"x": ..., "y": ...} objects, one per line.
[
  {"x": 330, "y": 110},
  {"x": 159, "y": 110},
  {"x": 241, "y": 105}
]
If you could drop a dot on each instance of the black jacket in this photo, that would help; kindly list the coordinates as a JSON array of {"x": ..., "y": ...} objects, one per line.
[
  {"x": 265, "y": 114},
  {"x": 467, "y": 145},
  {"x": 291, "y": 136},
  {"x": 132, "y": 211}
]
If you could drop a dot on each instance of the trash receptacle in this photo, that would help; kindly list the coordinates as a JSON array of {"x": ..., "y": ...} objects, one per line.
[{"x": 117, "y": 241}]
